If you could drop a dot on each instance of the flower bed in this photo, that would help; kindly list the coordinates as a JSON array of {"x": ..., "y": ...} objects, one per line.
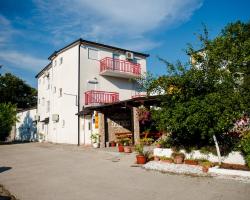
[
  {"x": 174, "y": 168},
  {"x": 233, "y": 158}
]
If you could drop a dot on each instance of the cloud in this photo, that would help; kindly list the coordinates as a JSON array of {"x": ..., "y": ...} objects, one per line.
[
  {"x": 107, "y": 20},
  {"x": 22, "y": 61},
  {"x": 8, "y": 50},
  {"x": 6, "y": 30}
]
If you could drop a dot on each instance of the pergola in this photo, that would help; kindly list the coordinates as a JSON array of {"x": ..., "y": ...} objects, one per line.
[{"x": 127, "y": 107}]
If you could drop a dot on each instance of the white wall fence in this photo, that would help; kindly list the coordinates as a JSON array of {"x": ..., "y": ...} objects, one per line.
[{"x": 234, "y": 157}]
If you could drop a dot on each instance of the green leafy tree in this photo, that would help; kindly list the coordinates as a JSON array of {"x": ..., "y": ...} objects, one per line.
[
  {"x": 205, "y": 97},
  {"x": 16, "y": 91},
  {"x": 7, "y": 119}
]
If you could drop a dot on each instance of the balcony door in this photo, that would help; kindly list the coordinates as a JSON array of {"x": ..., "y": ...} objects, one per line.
[{"x": 116, "y": 64}]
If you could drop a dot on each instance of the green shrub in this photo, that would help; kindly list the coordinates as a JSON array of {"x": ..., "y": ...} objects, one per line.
[
  {"x": 7, "y": 119},
  {"x": 146, "y": 141},
  {"x": 245, "y": 146}
]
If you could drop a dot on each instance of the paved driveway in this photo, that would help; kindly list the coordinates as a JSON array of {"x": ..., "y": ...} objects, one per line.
[{"x": 45, "y": 171}]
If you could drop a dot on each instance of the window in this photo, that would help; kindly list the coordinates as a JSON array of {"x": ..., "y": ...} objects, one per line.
[
  {"x": 54, "y": 90},
  {"x": 63, "y": 123},
  {"x": 116, "y": 56},
  {"x": 135, "y": 60},
  {"x": 54, "y": 63},
  {"x": 60, "y": 92},
  {"x": 61, "y": 60},
  {"x": 93, "y": 54},
  {"x": 48, "y": 81},
  {"x": 48, "y": 106},
  {"x": 43, "y": 101}
]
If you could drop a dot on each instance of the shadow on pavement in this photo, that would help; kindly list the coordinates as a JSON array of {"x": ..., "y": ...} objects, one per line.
[{"x": 3, "y": 169}]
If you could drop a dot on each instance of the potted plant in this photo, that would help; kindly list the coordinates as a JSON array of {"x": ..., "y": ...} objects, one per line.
[
  {"x": 112, "y": 144},
  {"x": 121, "y": 145},
  {"x": 178, "y": 157},
  {"x": 156, "y": 158},
  {"x": 166, "y": 159},
  {"x": 127, "y": 147},
  {"x": 95, "y": 140},
  {"x": 158, "y": 145},
  {"x": 142, "y": 155},
  {"x": 206, "y": 165},
  {"x": 147, "y": 141}
]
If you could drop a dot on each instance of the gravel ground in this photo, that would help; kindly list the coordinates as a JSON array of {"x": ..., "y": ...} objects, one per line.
[{"x": 174, "y": 168}]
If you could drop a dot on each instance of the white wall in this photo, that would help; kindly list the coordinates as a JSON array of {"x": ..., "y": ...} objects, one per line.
[
  {"x": 62, "y": 76},
  {"x": 44, "y": 92},
  {"x": 26, "y": 126}
]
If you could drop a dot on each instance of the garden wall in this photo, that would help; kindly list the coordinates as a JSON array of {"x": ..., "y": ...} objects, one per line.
[{"x": 234, "y": 157}]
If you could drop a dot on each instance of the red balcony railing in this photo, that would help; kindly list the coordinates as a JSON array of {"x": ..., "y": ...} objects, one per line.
[
  {"x": 100, "y": 97},
  {"x": 118, "y": 65}
]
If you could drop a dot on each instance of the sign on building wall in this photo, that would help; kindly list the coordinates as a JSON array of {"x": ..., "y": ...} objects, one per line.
[{"x": 96, "y": 120}]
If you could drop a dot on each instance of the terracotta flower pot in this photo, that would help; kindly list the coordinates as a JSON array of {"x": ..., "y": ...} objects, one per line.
[
  {"x": 96, "y": 145},
  {"x": 112, "y": 144},
  {"x": 127, "y": 149},
  {"x": 191, "y": 162},
  {"x": 178, "y": 159},
  {"x": 167, "y": 161},
  {"x": 205, "y": 169},
  {"x": 140, "y": 159},
  {"x": 158, "y": 146},
  {"x": 120, "y": 148},
  {"x": 156, "y": 158}
]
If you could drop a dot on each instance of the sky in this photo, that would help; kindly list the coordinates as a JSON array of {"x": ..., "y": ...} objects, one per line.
[{"x": 31, "y": 30}]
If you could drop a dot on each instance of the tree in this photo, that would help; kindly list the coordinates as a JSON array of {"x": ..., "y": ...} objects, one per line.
[
  {"x": 16, "y": 91},
  {"x": 7, "y": 119},
  {"x": 206, "y": 97}
]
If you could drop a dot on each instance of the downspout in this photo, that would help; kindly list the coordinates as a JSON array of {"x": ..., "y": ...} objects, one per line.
[{"x": 78, "y": 142}]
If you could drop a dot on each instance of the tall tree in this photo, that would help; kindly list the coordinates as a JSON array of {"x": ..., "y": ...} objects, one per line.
[
  {"x": 207, "y": 96},
  {"x": 15, "y": 91}
]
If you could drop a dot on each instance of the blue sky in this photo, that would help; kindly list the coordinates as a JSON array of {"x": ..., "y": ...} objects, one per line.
[{"x": 30, "y": 30}]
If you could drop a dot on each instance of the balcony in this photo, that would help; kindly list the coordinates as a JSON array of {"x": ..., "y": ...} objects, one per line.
[
  {"x": 100, "y": 97},
  {"x": 119, "y": 68}
]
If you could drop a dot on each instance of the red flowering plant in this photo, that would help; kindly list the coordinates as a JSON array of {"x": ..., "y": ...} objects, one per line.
[
  {"x": 240, "y": 126},
  {"x": 144, "y": 115}
]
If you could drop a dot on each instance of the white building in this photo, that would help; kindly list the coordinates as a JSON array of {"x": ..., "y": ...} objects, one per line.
[{"x": 79, "y": 75}]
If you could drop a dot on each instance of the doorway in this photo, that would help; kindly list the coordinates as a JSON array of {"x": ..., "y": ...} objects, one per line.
[{"x": 87, "y": 129}]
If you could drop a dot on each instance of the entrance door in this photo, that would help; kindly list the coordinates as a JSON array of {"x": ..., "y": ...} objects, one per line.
[
  {"x": 87, "y": 129},
  {"x": 46, "y": 130}
]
